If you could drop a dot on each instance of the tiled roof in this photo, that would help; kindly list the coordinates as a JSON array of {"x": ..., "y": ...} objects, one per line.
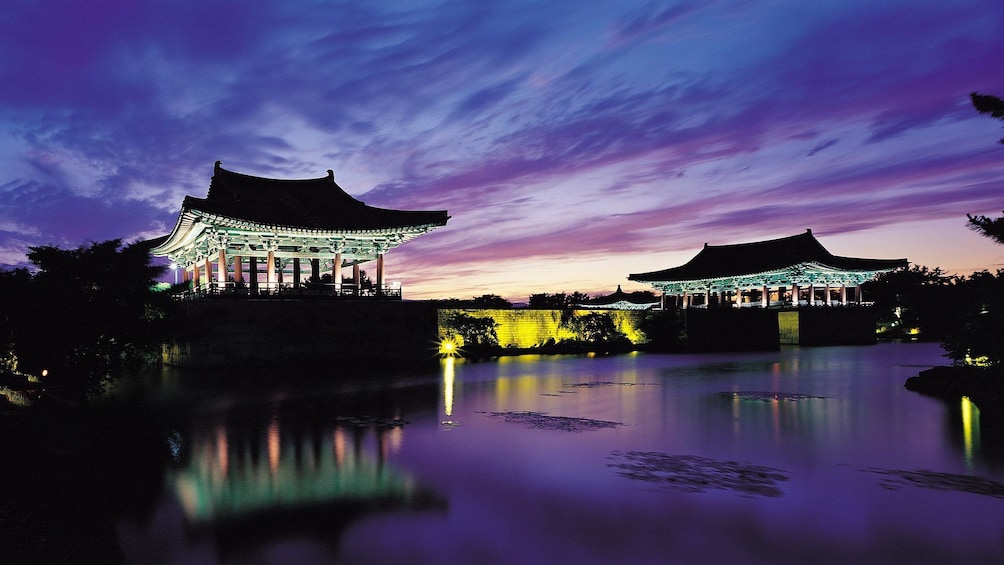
[
  {"x": 716, "y": 261},
  {"x": 303, "y": 203}
]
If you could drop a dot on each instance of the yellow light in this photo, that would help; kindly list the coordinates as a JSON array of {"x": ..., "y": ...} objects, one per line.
[{"x": 448, "y": 348}]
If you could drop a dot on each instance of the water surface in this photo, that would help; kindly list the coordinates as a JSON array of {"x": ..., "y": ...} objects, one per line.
[{"x": 803, "y": 455}]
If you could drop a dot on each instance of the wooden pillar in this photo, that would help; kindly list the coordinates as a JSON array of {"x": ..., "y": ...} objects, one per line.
[
  {"x": 843, "y": 295},
  {"x": 356, "y": 279},
  {"x": 707, "y": 298},
  {"x": 270, "y": 270},
  {"x": 686, "y": 300},
  {"x": 238, "y": 269},
  {"x": 739, "y": 298},
  {"x": 794, "y": 294},
  {"x": 812, "y": 295},
  {"x": 379, "y": 275},
  {"x": 184, "y": 274},
  {"x": 296, "y": 272},
  {"x": 209, "y": 270},
  {"x": 315, "y": 270},
  {"x": 221, "y": 268},
  {"x": 826, "y": 299},
  {"x": 195, "y": 274},
  {"x": 336, "y": 273},
  {"x": 765, "y": 299}
]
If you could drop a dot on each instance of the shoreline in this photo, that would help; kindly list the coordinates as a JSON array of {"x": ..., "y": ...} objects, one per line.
[{"x": 984, "y": 386}]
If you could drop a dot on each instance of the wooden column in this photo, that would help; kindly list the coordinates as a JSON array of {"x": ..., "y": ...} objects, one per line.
[
  {"x": 739, "y": 298},
  {"x": 379, "y": 275},
  {"x": 221, "y": 268},
  {"x": 686, "y": 300},
  {"x": 812, "y": 295},
  {"x": 315, "y": 270},
  {"x": 794, "y": 294},
  {"x": 356, "y": 277},
  {"x": 336, "y": 273},
  {"x": 238, "y": 269},
  {"x": 765, "y": 299},
  {"x": 296, "y": 272},
  {"x": 270, "y": 270},
  {"x": 195, "y": 274},
  {"x": 826, "y": 299},
  {"x": 209, "y": 270}
]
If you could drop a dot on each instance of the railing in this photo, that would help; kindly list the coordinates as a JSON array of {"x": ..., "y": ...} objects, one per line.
[{"x": 231, "y": 289}]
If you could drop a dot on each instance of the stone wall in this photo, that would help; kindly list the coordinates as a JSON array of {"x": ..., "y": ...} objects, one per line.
[
  {"x": 528, "y": 328},
  {"x": 247, "y": 332}
]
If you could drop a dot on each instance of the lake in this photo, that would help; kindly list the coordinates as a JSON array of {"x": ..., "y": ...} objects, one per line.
[{"x": 802, "y": 455}]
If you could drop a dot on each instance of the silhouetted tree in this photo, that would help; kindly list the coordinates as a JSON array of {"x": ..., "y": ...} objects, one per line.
[
  {"x": 915, "y": 297},
  {"x": 595, "y": 328},
  {"x": 86, "y": 314},
  {"x": 990, "y": 227},
  {"x": 477, "y": 333},
  {"x": 557, "y": 301},
  {"x": 987, "y": 104}
]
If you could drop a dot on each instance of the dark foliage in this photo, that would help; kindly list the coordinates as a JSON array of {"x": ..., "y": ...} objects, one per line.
[
  {"x": 86, "y": 315},
  {"x": 915, "y": 297},
  {"x": 987, "y": 104},
  {"x": 557, "y": 301},
  {"x": 475, "y": 331},
  {"x": 484, "y": 301},
  {"x": 596, "y": 329},
  {"x": 989, "y": 227}
]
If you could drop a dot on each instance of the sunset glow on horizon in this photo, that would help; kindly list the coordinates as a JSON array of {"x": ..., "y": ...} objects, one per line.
[{"x": 572, "y": 144}]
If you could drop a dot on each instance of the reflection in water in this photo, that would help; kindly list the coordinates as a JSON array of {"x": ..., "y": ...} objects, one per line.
[
  {"x": 225, "y": 481},
  {"x": 448, "y": 376},
  {"x": 970, "y": 430},
  {"x": 253, "y": 474},
  {"x": 732, "y": 459}
]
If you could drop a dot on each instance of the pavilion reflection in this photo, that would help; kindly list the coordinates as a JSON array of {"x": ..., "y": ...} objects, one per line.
[{"x": 292, "y": 470}]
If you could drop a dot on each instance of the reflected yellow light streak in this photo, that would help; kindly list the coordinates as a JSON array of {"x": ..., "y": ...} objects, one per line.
[
  {"x": 970, "y": 429},
  {"x": 448, "y": 375}
]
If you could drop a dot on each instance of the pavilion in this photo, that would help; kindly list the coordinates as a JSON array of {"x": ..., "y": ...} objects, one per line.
[
  {"x": 620, "y": 300},
  {"x": 789, "y": 271},
  {"x": 251, "y": 227}
]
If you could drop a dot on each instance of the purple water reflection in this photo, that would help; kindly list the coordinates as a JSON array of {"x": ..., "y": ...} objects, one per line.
[{"x": 522, "y": 460}]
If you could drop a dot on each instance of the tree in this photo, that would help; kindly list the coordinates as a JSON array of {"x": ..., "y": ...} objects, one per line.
[
  {"x": 87, "y": 314},
  {"x": 989, "y": 227},
  {"x": 915, "y": 297},
  {"x": 476, "y": 332},
  {"x": 987, "y": 104}
]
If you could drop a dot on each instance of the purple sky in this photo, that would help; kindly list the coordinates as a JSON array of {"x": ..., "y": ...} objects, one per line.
[{"x": 573, "y": 143}]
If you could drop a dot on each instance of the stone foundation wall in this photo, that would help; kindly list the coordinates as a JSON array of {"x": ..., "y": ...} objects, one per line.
[
  {"x": 526, "y": 328},
  {"x": 246, "y": 332}
]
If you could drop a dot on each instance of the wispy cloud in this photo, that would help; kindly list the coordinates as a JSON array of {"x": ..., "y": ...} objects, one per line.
[{"x": 548, "y": 131}]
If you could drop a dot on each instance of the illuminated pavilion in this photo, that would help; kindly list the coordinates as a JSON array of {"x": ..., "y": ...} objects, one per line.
[
  {"x": 789, "y": 271},
  {"x": 252, "y": 228}
]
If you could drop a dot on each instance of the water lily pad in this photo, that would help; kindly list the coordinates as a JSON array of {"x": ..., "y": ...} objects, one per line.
[{"x": 694, "y": 474}]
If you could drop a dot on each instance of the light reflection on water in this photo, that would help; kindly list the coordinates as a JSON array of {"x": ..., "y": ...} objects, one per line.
[{"x": 498, "y": 462}]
